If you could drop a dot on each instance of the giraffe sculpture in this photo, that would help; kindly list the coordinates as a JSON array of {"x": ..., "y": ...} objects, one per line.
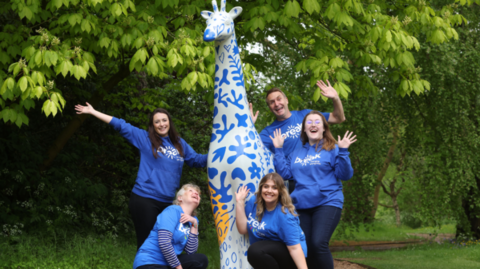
[{"x": 237, "y": 156}]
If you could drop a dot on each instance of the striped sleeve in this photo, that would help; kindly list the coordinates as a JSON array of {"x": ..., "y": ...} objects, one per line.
[
  {"x": 165, "y": 244},
  {"x": 192, "y": 244}
]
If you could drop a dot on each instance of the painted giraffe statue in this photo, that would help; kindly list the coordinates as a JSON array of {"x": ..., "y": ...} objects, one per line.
[{"x": 237, "y": 156}]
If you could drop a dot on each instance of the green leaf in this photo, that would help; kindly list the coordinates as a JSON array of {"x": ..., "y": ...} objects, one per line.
[
  {"x": 292, "y": 8},
  {"x": 316, "y": 95},
  {"x": 86, "y": 26},
  {"x": 311, "y": 6},
  {"x": 152, "y": 67},
  {"x": 388, "y": 36},
  {"x": 23, "y": 83},
  {"x": 10, "y": 83},
  {"x": 57, "y": 3},
  {"x": 38, "y": 91}
]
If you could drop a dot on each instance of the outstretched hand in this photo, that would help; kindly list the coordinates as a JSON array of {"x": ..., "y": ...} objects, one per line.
[
  {"x": 254, "y": 117},
  {"x": 241, "y": 194},
  {"x": 347, "y": 140},
  {"x": 278, "y": 138},
  {"x": 327, "y": 91},
  {"x": 84, "y": 109}
]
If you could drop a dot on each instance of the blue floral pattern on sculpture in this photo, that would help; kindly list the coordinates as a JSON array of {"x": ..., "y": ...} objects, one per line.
[{"x": 237, "y": 156}]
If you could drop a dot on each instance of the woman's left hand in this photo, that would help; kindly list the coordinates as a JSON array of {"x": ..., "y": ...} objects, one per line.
[
  {"x": 187, "y": 218},
  {"x": 347, "y": 140}
]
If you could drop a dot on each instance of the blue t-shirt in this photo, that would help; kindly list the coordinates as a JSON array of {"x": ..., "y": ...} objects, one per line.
[
  {"x": 158, "y": 178},
  {"x": 275, "y": 226},
  {"x": 169, "y": 220},
  {"x": 317, "y": 175},
  {"x": 290, "y": 130}
]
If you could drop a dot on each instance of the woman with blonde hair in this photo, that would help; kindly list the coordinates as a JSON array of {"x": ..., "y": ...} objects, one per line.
[
  {"x": 318, "y": 168},
  {"x": 175, "y": 231},
  {"x": 269, "y": 218}
]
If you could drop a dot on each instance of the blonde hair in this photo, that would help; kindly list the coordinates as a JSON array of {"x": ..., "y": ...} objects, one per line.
[
  {"x": 182, "y": 190},
  {"x": 283, "y": 196}
]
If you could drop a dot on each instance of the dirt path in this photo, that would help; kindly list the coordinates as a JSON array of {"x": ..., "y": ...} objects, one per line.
[{"x": 344, "y": 264}]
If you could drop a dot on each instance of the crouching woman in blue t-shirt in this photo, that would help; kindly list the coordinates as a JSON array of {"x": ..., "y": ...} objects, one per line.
[
  {"x": 318, "y": 168},
  {"x": 269, "y": 218},
  {"x": 176, "y": 230}
]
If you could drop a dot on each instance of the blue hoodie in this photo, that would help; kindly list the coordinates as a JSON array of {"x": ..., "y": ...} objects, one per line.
[
  {"x": 317, "y": 175},
  {"x": 158, "y": 178}
]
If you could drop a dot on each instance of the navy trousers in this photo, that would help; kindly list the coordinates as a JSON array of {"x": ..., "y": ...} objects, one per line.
[{"x": 318, "y": 224}]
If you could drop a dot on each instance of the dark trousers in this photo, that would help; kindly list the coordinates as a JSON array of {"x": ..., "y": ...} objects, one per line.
[
  {"x": 290, "y": 183},
  {"x": 192, "y": 261},
  {"x": 271, "y": 255},
  {"x": 318, "y": 224},
  {"x": 144, "y": 213}
]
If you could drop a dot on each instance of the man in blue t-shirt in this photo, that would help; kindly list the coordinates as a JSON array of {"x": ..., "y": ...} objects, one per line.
[{"x": 290, "y": 122}]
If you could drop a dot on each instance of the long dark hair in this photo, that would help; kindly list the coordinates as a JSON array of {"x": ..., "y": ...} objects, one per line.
[
  {"x": 328, "y": 140},
  {"x": 157, "y": 140},
  {"x": 283, "y": 197}
]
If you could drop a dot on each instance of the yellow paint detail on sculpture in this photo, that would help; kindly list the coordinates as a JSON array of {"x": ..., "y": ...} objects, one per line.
[{"x": 221, "y": 218}]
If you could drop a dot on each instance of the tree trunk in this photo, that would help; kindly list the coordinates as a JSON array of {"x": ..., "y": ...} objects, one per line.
[
  {"x": 397, "y": 210},
  {"x": 388, "y": 159},
  {"x": 77, "y": 120},
  {"x": 470, "y": 226}
]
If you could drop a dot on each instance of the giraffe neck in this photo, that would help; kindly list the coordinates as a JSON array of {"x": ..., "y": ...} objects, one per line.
[{"x": 229, "y": 83}]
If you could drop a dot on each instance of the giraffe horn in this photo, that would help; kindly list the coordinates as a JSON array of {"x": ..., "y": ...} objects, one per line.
[
  {"x": 223, "y": 5},
  {"x": 214, "y": 4}
]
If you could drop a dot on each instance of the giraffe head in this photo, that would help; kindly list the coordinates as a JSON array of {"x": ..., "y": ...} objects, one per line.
[{"x": 219, "y": 23}]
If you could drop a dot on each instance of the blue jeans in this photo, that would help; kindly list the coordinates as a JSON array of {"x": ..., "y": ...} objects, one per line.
[{"x": 318, "y": 224}]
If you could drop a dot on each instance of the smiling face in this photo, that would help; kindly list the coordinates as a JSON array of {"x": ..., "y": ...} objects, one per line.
[
  {"x": 190, "y": 196},
  {"x": 161, "y": 124},
  {"x": 270, "y": 193},
  {"x": 314, "y": 128},
  {"x": 278, "y": 104}
]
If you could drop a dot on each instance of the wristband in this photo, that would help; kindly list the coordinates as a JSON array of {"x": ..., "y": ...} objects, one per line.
[{"x": 195, "y": 225}]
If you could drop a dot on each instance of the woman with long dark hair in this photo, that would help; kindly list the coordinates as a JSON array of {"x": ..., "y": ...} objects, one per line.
[
  {"x": 162, "y": 154},
  {"x": 318, "y": 168},
  {"x": 269, "y": 218}
]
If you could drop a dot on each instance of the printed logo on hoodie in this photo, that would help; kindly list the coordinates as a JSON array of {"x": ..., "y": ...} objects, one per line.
[
  {"x": 312, "y": 160},
  {"x": 170, "y": 152}
]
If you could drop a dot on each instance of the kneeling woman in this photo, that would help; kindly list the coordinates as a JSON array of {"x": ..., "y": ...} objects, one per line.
[
  {"x": 276, "y": 239},
  {"x": 176, "y": 230}
]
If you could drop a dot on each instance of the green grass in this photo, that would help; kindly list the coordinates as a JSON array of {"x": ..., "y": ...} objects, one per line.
[
  {"x": 379, "y": 231},
  {"x": 75, "y": 251},
  {"x": 427, "y": 256}
]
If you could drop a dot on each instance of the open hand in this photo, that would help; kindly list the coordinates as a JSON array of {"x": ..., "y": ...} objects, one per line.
[
  {"x": 347, "y": 140},
  {"x": 241, "y": 194},
  {"x": 278, "y": 138},
  {"x": 254, "y": 117},
  {"x": 84, "y": 109},
  {"x": 327, "y": 91}
]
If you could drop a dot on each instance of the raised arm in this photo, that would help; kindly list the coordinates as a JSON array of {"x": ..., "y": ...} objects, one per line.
[
  {"x": 343, "y": 166},
  {"x": 296, "y": 252},
  {"x": 337, "y": 116},
  {"x": 254, "y": 117},
  {"x": 281, "y": 163},
  {"x": 90, "y": 110},
  {"x": 241, "y": 217}
]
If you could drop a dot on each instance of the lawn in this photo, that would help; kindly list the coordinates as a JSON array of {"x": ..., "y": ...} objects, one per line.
[
  {"x": 427, "y": 256},
  {"x": 90, "y": 251}
]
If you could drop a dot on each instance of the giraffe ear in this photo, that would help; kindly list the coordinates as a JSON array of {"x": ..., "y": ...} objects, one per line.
[
  {"x": 234, "y": 12},
  {"x": 206, "y": 14}
]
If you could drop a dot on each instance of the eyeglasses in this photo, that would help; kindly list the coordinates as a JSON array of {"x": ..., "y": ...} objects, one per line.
[{"x": 317, "y": 122}]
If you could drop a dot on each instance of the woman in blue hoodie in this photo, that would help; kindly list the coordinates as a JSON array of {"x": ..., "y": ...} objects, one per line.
[
  {"x": 162, "y": 154},
  {"x": 318, "y": 168}
]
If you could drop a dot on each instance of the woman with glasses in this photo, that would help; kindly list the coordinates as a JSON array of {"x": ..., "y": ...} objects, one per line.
[{"x": 318, "y": 168}]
